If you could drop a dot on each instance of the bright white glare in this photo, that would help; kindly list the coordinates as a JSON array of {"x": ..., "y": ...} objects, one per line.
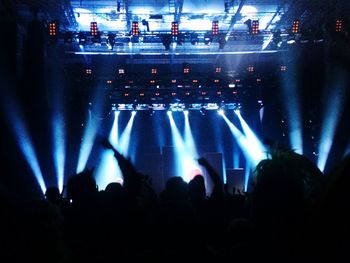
[
  {"x": 185, "y": 163},
  {"x": 332, "y": 114},
  {"x": 59, "y": 149},
  {"x": 25, "y": 144},
  {"x": 197, "y": 24},
  {"x": 87, "y": 143},
  {"x": 250, "y": 134},
  {"x": 249, "y": 150},
  {"x": 221, "y": 112},
  {"x": 113, "y": 137},
  {"x": 108, "y": 170},
  {"x": 143, "y": 10},
  {"x": 267, "y": 42},
  {"x": 248, "y": 168},
  {"x": 249, "y": 12}
]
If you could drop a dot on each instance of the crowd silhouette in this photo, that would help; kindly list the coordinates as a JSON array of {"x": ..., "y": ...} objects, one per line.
[{"x": 294, "y": 212}]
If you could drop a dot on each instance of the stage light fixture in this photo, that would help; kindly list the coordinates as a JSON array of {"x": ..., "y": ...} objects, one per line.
[
  {"x": 135, "y": 28},
  {"x": 53, "y": 29},
  {"x": 295, "y": 26},
  {"x": 215, "y": 28},
  {"x": 255, "y": 27},
  {"x": 174, "y": 28},
  {"x": 93, "y": 29},
  {"x": 339, "y": 25}
]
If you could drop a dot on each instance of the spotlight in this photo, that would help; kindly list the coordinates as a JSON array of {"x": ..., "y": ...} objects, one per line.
[
  {"x": 186, "y": 112},
  {"x": 221, "y": 112},
  {"x": 169, "y": 112},
  {"x": 338, "y": 25}
]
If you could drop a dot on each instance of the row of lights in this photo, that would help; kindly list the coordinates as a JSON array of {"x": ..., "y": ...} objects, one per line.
[
  {"x": 252, "y": 25},
  {"x": 186, "y": 70}
]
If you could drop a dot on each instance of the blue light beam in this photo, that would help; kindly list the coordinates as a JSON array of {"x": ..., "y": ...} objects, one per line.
[
  {"x": 292, "y": 104},
  {"x": 25, "y": 144},
  {"x": 124, "y": 141},
  {"x": 108, "y": 170},
  {"x": 251, "y": 153},
  {"x": 250, "y": 135},
  {"x": 87, "y": 142},
  {"x": 188, "y": 137},
  {"x": 333, "y": 108},
  {"x": 59, "y": 149},
  {"x": 186, "y": 165}
]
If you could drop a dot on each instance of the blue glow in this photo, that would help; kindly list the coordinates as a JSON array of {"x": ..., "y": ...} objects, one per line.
[
  {"x": 124, "y": 140},
  {"x": 333, "y": 108},
  {"x": 189, "y": 141},
  {"x": 347, "y": 151},
  {"x": 235, "y": 157},
  {"x": 108, "y": 170},
  {"x": 291, "y": 100},
  {"x": 248, "y": 168},
  {"x": 248, "y": 149},
  {"x": 107, "y": 53},
  {"x": 186, "y": 165},
  {"x": 87, "y": 142},
  {"x": 25, "y": 144},
  {"x": 59, "y": 149},
  {"x": 250, "y": 134}
]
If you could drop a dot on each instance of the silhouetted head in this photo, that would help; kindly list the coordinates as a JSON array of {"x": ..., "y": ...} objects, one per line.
[
  {"x": 176, "y": 189},
  {"x": 114, "y": 190},
  {"x": 196, "y": 188},
  {"x": 81, "y": 186}
]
